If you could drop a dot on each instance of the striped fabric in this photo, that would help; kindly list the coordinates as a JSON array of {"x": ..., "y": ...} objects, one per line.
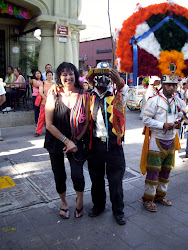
[{"x": 77, "y": 116}]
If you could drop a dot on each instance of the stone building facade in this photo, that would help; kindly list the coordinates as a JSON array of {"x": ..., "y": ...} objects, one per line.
[{"x": 20, "y": 19}]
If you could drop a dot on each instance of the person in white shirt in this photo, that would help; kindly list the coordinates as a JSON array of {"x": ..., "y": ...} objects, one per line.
[
  {"x": 48, "y": 67},
  {"x": 2, "y": 100},
  {"x": 161, "y": 115}
]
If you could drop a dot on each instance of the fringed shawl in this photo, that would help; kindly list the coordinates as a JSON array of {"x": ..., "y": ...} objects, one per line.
[{"x": 77, "y": 116}]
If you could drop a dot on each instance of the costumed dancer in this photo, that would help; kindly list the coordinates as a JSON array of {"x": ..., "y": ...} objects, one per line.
[
  {"x": 160, "y": 117},
  {"x": 107, "y": 126}
]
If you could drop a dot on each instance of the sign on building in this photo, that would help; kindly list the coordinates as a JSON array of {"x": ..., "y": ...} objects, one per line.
[{"x": 62, "y": 30}]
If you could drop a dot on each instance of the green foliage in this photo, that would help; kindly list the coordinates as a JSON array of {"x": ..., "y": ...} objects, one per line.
[
  {"x": 29, "y": 60},
  {"x": 16, "y": 11},
  {"x": 3, "y": 5}
]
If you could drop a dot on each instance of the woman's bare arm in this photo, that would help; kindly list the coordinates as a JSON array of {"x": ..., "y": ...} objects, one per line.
[
  {"x": 41, "y": 91},
  {"x": 49, "y": 115},
  {"x": 35, "y": 83}
]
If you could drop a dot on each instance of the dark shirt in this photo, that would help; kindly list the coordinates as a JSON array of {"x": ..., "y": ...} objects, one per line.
[{"x": 62, "y": 123}]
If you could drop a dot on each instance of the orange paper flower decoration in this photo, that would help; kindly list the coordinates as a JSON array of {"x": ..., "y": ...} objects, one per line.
[
  {"x": 168, "y": 57},
  {"x": 124, "y": 49}
]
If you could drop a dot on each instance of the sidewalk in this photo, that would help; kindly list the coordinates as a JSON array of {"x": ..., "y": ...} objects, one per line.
[{"x": 29, "y": 211}]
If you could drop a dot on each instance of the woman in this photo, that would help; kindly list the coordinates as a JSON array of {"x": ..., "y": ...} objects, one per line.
[
  {"x": 67, "y": 115},
  {"x": 18, "y": 89},
  {"x": 9, "y": 78},
  {"x": 18, "y": 76},
  {"x": 43, "y": 91},
  {"x": 36, "y": 81},
  {"x": 82, "y": 77},
  {"x": 19, "y": 79}
]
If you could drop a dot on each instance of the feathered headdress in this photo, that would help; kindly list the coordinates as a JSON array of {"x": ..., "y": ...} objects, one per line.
[{"x": 154, "y": 39}]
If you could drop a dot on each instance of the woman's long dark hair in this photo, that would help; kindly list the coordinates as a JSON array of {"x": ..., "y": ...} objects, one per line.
[
  {"x": 34, "y": 77},
  {"x": 69, "y": 67}
]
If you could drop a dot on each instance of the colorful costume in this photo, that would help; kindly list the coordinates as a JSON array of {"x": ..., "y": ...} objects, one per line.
[
  {"x": 106, "y": 134},
  {"x": 161, "y": 145}
]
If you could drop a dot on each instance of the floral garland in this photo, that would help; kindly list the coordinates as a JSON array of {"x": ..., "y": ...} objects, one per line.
[
  {"x": 18, "y": 12},
  {"x": 166, "y": 58},
  {"x": 151, "y": 15}
]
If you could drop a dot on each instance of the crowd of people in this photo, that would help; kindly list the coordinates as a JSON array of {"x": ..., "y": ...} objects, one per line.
[{"x": 87, "y": 113}]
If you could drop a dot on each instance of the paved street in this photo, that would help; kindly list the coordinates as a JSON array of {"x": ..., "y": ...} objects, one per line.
[{"x": 29, "y": 210}]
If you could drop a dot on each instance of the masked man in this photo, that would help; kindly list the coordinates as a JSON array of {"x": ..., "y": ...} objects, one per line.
[{"x": 107, "y": 128}]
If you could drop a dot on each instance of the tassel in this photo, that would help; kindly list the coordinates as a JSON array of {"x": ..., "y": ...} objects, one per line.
[{"x": 169, "y": 108}]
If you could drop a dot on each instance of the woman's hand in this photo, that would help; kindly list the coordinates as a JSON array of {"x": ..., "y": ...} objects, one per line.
[{"x": 70, "y": 147}]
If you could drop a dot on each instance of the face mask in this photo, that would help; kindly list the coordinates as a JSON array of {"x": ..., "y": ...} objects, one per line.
[{"x": 102, "y": 81}]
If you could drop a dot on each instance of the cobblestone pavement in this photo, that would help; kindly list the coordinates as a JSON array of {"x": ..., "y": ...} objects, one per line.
[{"x": 29, "y": 211}]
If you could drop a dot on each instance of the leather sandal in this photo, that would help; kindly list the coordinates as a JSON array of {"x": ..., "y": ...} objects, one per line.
[
  {"x": 79, "y": 212},
  {"x": 150, "y": 206},
  {"x": 163, "y": 201}
]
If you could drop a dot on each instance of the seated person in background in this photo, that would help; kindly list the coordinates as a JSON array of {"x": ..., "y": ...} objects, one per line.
[
  {"x": 9, "y": 78},
  {"x": 2, "y": 100},
  {"x": 17, "y": 90},
  {"x": 18, "y": 76},
  {"x": 19, "y": 79}
]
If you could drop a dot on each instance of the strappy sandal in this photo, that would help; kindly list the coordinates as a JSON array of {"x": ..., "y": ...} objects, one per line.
[
  {"x": 150, "y": 206},
  {"x": 65, "y": 211},
  {"x": 163, "y": 201},
  {"x": 79, "y": 212}
]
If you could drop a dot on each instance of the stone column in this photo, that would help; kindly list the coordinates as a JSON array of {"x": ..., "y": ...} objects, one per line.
[
  {"x": 75, "y": 52},
  {"x": 68, "y": 49},
  {"x": 46, "y": 53}
]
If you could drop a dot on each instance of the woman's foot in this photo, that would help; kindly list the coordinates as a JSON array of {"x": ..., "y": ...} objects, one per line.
[
  {"x": 79, "y": 208},
  {"x": 78, "y": 212},
  {"x": 64, "y": 210},
  {"x": 36, "y": 135},
  {"x": 64, "y": 213}
]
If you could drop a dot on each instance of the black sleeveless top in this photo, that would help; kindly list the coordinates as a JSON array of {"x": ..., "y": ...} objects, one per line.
[{"x": 62, "y": 123}]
